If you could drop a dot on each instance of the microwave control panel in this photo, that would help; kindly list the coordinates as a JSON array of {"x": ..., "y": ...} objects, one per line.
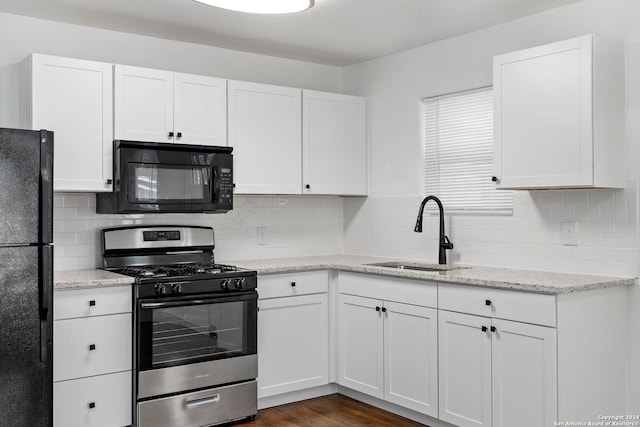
[{"x": 225, "y": 179}]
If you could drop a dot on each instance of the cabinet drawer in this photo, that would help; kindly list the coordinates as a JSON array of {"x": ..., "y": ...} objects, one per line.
[
  {"x": 109, "y": 394},
  {"x": 416, "y": 292},
  {"x": 291, "y": 284},
  {"x": 91, "y": 346},
  {"x": 510, "y": 305},
  {"x": 91, "y": 302}
]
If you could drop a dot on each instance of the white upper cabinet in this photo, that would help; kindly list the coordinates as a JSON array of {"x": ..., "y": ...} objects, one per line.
[
  {"x": 294, "y": 141},
  {"x": 559, "y": 115},
  {"x": 72, "y": 98},
  {"x": 334, "y": 142},
  {"x": 265, "y": 131},
  {"x": 162, "y": 106},
  {"x": 200, "y": 109}
]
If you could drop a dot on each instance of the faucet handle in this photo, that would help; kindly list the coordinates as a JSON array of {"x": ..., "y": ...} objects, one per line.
[{"x": 446, "y": 244}]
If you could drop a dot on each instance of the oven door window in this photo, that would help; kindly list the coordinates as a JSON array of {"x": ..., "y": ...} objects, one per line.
[
  {"x": 175, "y": 333},
  {"x": 156, "y": 183}
]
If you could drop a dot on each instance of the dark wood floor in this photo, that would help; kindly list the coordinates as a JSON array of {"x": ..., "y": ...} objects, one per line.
[{"x": 328, "y": 411}]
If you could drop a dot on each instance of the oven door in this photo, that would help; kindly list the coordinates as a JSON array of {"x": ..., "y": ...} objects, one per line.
[{"x": 187, "y": 343}]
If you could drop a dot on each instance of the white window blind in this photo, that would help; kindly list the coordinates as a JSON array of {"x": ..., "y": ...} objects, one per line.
[{"x": 458, "y": 153}]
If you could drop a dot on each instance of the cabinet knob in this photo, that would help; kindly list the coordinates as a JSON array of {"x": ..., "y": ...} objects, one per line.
[
  {"x": 494, "y": 179},
  {"x": 92, "y": 347},
  {"x": 308, "y": 187},
  {"x": 170, "y": 134},
  {"x": 179, "y": 135},
  {"x": 384, "y": 309},
  {"x": 487, "y": 302},
  {"x": 92, "y": 303},
  {"x": 377, "y": 308},
  {"x": 293, "y": 284},
  {"x": 92, "y": 405},
  {"x": 493, "y": 329},
  {"x": 109, "y": 181},
  {"x": 484, "y": 329}
]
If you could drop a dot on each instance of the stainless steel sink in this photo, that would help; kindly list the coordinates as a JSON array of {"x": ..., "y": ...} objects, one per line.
[{"x": 415, "y": 266}]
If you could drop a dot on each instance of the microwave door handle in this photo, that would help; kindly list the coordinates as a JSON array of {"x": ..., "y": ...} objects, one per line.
[{"x": 216, "y": 184}]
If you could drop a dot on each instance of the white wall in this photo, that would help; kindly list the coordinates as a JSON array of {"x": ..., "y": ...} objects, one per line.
[{"x": 530, "y": 238}]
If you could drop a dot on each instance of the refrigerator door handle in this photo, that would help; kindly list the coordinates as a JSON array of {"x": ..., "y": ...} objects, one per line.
[
  {"x": 44, "y": 341},
  {"x": 46, "y": 186},
  {"x": 45, "y": 286},
  {"x": 46, "y": 280}
]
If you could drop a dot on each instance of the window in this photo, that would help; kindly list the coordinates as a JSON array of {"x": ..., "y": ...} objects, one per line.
[{"x": 458, "y": 153}]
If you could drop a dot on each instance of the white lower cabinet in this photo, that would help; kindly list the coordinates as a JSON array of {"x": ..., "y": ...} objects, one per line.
[
  {"x": 470, "y": 356},
  {"x": 92, "y": 360},
  {"x": 496, "y": 372},
  {"x": 361, "y": 345},
  {"x": 104, "y": 401},
  {"x": 293, "y": 334},
  {"x": 388, "y": 349}
]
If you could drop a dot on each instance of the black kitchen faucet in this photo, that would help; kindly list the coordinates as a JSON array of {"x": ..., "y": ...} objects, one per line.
[{"x": 443, "y": 241}]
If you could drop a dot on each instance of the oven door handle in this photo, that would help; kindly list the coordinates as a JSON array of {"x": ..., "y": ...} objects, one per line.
[
  {"x": 202, "y": 401},
  {"x": 181, "y": 303}
]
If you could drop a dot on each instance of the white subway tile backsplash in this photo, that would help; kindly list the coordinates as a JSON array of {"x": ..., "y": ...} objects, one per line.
[
  {"x": 529, "y": 239},
  {"x": 383, "y": 226},
  {"x": 297, "y": 226}
]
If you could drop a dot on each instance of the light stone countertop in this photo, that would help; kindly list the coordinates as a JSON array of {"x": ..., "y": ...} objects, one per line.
[
  {"x": 75, "y": 279},
  {"x": 492, "y": 277}
]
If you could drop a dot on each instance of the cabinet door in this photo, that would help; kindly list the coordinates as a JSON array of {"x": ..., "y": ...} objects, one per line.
[
  {"x": 293, "y": 344},
  {"x": 200, "y": 110},
  {"x": 465, "y": 369},
  {"x": 523, "y": 375},
  {"x": 543, "y": 116},
  {"x": 411, "y": 357},
  {"x": 100, "y": 401},
  {"x": 143, "y": 104},
  {"x": 360, "y": 333},
  {"x": 73, "y": 98},
  {"x": 91, "y": 346},
  {"x": 265, "y": 133},
  {"x": 334, "y": 144}
]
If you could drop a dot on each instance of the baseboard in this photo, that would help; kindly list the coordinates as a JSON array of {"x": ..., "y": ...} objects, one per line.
[
  {"x": 297, "y": 396},
  {"x": 393, "y": 408}
]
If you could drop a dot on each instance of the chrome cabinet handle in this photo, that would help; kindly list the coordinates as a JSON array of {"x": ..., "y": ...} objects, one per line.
[{"x": 202, "y": 401}]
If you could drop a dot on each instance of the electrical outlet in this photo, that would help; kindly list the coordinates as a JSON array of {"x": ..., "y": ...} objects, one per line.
[
  {"x": 570, "y": 233},
  {"x": 262, "y": 235}
]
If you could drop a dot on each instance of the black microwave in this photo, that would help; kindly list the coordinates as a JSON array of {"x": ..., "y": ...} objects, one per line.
[{"x": 153, "y": 177}]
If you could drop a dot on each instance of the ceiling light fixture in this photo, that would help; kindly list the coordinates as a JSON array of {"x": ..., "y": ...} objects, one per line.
[{"x": 261, "y": 6}]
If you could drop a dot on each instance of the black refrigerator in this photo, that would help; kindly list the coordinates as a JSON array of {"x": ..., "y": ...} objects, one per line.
[{"x": 26, "y": 278}]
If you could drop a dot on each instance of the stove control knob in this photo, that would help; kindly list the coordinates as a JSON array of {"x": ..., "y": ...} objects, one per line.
[
  {"x": 161, "y": 290},
  {"x": 176, "y": 288},
  {"x": 239, "y": 283},
  {"x": 225, "y": 284}
]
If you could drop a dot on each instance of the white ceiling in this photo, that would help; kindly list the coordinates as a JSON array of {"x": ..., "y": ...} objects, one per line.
[{"x": 334, "y": 32}]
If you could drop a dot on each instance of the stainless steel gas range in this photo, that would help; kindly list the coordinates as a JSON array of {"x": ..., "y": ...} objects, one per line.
[{"x": 195, "y": 326}]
